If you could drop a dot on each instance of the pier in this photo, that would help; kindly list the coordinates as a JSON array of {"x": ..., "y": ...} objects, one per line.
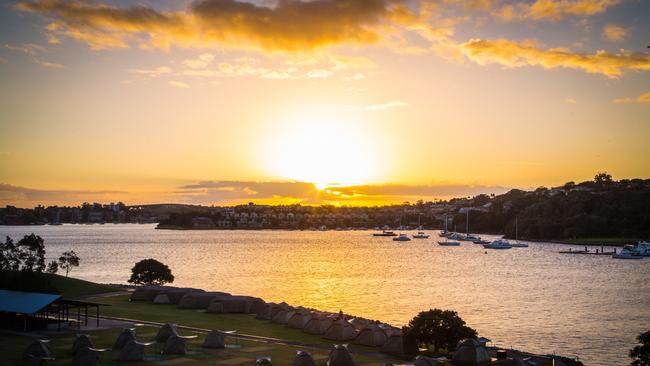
[{"x": 586, "y": 251}]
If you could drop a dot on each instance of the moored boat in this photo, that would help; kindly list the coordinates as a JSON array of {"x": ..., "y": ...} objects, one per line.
[
  {"x": 402, "y": 237},
  {"x": 628, "y": 252},
  {"x": 498, "y": 244},
  {"x": 421, "y": 235},
  {"x": 448, "y": 243},
  {"x": 385, "y": 233}
]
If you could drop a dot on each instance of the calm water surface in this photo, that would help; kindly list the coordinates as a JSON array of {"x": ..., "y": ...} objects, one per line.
[{"x": 529, "y": 298}]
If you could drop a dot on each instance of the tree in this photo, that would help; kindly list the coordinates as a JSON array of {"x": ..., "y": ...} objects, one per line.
[
  {"x": 151, "y": 272},
  {"x": 440, "y": 328},
  {"x": 69, "y": 260},
  {"x": 9, "y": 258},
  {"x": 53, "y": 267},
  {"x": 641, "y": 353},
  {"x": 31, "y": 251},
  {"x": 603, "y": 178}
]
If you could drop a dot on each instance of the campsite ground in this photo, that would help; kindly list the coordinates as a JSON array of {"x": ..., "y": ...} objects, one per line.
[{"x": 12, "y": 345}]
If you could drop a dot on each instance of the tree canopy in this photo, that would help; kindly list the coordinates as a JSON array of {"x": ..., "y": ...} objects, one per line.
[
  {"x": 68, "y": 260},
  {"x": 438, "y": 328},
  {"x": 151, "y": 272},
  {"x": 641, "y": 354}
]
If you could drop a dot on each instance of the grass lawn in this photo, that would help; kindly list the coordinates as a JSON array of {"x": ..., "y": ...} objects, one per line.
[
  {"x": 73, "y": 287},
  {"x": 67, "y": 287},
  {"x": 11, "y": 348}
]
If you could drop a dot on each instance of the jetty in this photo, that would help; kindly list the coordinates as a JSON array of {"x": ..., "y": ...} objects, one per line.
[{"x": 587, "y": 251}]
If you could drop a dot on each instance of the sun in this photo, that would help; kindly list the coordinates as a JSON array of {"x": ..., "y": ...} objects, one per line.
[{"x": 323, "y": 148}]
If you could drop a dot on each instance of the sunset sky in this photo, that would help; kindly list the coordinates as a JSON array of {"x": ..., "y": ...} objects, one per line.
[{"x": 323, "y": 101}]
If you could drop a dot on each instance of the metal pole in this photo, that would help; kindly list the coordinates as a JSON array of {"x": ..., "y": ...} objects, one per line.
[{"x": 97, "y": 316}]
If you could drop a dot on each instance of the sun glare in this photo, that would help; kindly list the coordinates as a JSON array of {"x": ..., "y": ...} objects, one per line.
[{"x": 325, "y": 148}]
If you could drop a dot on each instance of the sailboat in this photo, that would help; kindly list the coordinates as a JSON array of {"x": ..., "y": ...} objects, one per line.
[
  {"x": 421, "y": 234},
  {"x": 467, "y": 236},
  {"x": 517, "y": 244}
]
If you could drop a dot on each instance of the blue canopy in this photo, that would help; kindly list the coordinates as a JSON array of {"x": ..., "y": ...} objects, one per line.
[{"x": 25, "y": 302}]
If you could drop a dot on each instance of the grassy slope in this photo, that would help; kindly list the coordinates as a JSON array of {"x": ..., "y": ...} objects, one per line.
[
  {"x": 73, "y": 287},
  {"x": 45, "y": 282}
]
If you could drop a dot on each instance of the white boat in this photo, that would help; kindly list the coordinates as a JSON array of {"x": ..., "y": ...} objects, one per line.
[
  {"x": 421, "y": 235},
  {"x": 519, "y": 245},
  {"x": 448, "y": 243},
  {"x": 402, "y": 237},
  {"x": 498, "y": 244},
  {"x": 628, "y": 252},
  {"x": 385, "y": 233},
  {"x": 643, "y": 248}
]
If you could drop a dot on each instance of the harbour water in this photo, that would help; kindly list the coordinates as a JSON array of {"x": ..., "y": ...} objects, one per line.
[{"x": 533, "y": 299}]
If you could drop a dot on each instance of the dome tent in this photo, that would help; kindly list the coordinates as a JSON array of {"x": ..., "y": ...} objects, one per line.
[
  {"x": 199, "y": 300},
  {"x": 161, "y": 299},
  {"x": 215, "y": 339},
  {"x": 397, "y": 344},
  {"x": 283, "y": 316},
  {"x": 470, "y": 352},
  {"x": 340, "y": 356},
  {"x": 165, "y": 332},
  {"x": 37, "y": 349},
  {"x": 318, "y": 324},
  {"x": 371, "y": 335},
  {"x": 175, "y": 345},
  {"x": 340, "y": 330},
  {"x": 300, "y": 319},
  {"x": 175, "y": 294},
  {"x": 303, "y": 359},
  {"x": 125, "y": 337},
  {"x": 81, "y": 342},
  {"x": 146, "y": 293}
]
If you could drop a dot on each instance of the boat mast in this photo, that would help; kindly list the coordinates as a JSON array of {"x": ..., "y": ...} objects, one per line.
[
  {"x": 516, "y": 228},
  {"x": 467, "y": 224}
]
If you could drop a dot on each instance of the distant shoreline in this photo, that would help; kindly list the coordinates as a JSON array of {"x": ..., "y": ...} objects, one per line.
[{"x": 608, "y": 242}]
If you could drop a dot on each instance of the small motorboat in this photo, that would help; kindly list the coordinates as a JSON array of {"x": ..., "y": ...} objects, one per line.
[
  {"x": 519, "y": 245},
  {"x": 402, "y": 237},
  {"x": 385, "y": 233},
  {"x": 643, "y": 248},
  {"x": 498, "y": 244},
  {"x": 628, "y": 252},
  {"x": 448, "y": 243},
  {"x": 421, "y": 235},
  {"x": 480, "y": 241}
]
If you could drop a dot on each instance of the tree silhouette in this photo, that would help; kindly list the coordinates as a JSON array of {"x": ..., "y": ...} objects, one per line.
[
  {"x": 440, "y": 328},
  {"x": 151, "y": 272},
  {"x": 641, "y": 353},
  {"x": 69, "y": 260}
]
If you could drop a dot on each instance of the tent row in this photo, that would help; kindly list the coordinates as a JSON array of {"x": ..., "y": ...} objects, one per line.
[{"x": 331, "y": 326}]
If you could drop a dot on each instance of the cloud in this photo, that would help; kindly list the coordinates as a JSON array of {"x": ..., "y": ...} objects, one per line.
[
  {"x": 229, "y": 192},
  {"x": 155, "y": 72},
  {"x": 513, "y": 54},
  {"x": 200, "y": 62},
  {"x": 30, "y": 49},
  {"x": 387, "y": 105},
  {"x": 319, "y": 74},
  {"x": 614, "y": 33},
  {"x": 552, "y": 10},
  {"x": 29, "y": 197},
  {"x": 642, "y": 99},
  {"x": 49, "y": 65},
  {"x": 178, "y": 84},
  {"x": 570, "y": 101},
  {"x": 288, "y": 25}
]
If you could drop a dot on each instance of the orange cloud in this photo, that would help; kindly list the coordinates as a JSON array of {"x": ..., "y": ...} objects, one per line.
[
  {"x": 553, "y": 10},
  {"x": 643, "y": 98},
  {"x": 614, "y": 33},
  {"x": 290, "y": 25},
  {"x": 513, "y": 54}
]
